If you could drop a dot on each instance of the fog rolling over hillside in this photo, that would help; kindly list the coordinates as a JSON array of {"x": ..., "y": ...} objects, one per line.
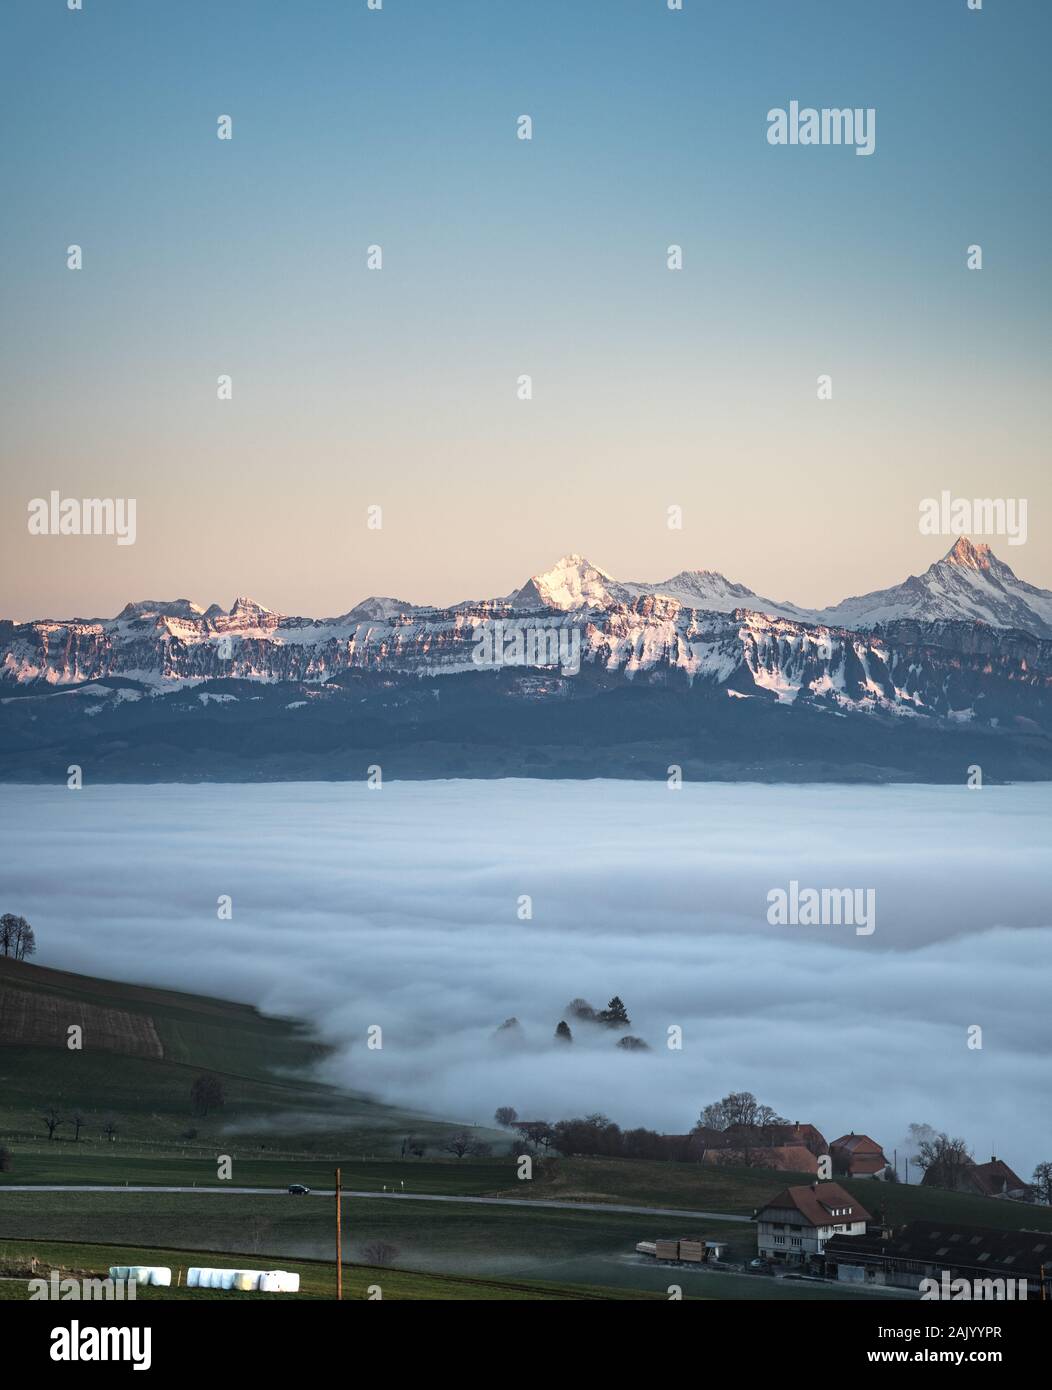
[{"x": 400, "y": 908}]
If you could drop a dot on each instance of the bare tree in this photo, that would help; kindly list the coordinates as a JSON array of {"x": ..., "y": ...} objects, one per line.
[
  {"x": 77, "y": 1121},
  {"x": 206, "y": 1093},
  {"x": 109, "y": 1128},
  {"x": 6, "y": 1161},
  {"x": 52, "y": 1119},
  {"x": 258, "y": 1230},
  {"x": 944, "y": 1161},
  {"x": 459, "y": 1143},
  {"x": 1042, "y": 1180}
]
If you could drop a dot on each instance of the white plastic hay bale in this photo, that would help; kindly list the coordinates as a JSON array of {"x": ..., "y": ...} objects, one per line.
[
  {"x": 246, "y": 1280},
  {"x": 280, "y": 1281},
  {"x": 161, "y": 1276},
  {"x": 140, "y": 1273},
  {"x": 118, "y": 1271},
  {"x": 290, "y": 1283},
  {"x": 226, "y": 1278},
  {"x": 193, "y": 1277},
  {"x": 270, "y": 1282}
]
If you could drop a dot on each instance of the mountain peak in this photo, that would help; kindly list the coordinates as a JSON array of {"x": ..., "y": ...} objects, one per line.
[
  {"x": 572, "y": 582},
  {"x": 966, "y": 552},
  {"x": 247, "y": 605},
  {"x": 160, "y": 608}
]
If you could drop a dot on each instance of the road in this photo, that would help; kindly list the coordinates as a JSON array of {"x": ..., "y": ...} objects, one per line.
[{"x": 456, "y": 1199}]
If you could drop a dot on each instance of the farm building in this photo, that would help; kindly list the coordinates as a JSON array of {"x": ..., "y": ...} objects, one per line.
[
  {"x": 993, "y": 1179},
  {"x": 928, "y": 1249},
  {"x": 793, "y": 1227},
  {"x": 857, "y": 1156}
]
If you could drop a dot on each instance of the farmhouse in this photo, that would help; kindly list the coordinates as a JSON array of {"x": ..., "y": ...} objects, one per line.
[
  {"x": 857, "y": 1156},
  {"x": 930, "y": 1249},
  {"x": 775, "y": 1136},
  {"x": 794, "y": 1226},
  {"x": 993, "y": 1179},
  {"x": 787, "y": 1158}
]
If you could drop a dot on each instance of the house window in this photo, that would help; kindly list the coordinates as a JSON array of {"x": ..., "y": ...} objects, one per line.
[{"x": 797, "y": 1241}]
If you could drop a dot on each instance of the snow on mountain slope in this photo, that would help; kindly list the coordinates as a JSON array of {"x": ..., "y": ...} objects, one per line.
[
  {"x": 574, "y": 583},
  {"x": 696, "y": 626},
  {"x": 570, "y": 584},
  {"x": 968, "y": 583}
]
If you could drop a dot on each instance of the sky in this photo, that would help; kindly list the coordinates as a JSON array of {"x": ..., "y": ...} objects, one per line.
[
  {"x": 501, "y": 257},
  {"x": 661, "y": 899}
]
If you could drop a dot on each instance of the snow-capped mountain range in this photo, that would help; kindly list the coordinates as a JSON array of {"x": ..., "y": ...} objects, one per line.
[
  {"x": 627, "y": 625},
  {"x": 968, "y": 584},
  {"x": 966, "y": 645}
]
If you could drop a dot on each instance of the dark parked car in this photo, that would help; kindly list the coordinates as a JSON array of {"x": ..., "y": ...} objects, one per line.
[{"x": 296, "y": 1189}]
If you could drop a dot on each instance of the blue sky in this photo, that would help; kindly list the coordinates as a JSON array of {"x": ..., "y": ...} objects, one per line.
[{"x": 352, "y": 387}]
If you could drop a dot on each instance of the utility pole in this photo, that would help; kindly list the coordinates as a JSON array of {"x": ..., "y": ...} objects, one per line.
[{"x": 339, "y": 1244}]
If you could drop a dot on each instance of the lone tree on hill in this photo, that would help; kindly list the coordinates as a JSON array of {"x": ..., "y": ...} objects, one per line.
[
  {"x": 206, "y": 1093},
  {"x": 563, "y": 1033},
  {"x": 16, "y": 937},
  {"x": 505, "y": 1116}
]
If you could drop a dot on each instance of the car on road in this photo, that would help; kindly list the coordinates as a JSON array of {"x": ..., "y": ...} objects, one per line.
[
  {"x": 297, "y": 1189},
  {"x": 759, "y": 1266}
]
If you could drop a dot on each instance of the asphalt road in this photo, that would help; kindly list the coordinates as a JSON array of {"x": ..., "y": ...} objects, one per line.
[{"x": 228, "y": 1190}]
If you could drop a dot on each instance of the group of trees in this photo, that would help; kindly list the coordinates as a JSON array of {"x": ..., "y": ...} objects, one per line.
[
  {"x": 54, "y": 1119},
  {"x": 17, "y": 938},
  {"x": 588, "y": 1136},
  {"x": 615, "y": 1015},
  {"x": 737, "y": 1108}
]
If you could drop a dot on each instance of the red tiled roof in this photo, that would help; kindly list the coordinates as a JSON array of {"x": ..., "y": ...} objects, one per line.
[
  {"x": 857, "y": 1143},
  {"x": 789, "y": 1158},
  {"x": 818, "y": 1202},
  {"x": 995, "y": 1177}
]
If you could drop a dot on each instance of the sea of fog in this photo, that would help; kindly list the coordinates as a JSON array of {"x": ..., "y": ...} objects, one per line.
[{"x": 402, "y": 908}]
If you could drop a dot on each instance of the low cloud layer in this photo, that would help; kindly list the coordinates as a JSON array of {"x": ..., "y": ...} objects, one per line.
[{"x": 400, "y": 908}]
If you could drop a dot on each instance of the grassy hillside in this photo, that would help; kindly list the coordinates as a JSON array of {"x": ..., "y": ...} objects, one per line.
[{"x": 142, "y": 1049}]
